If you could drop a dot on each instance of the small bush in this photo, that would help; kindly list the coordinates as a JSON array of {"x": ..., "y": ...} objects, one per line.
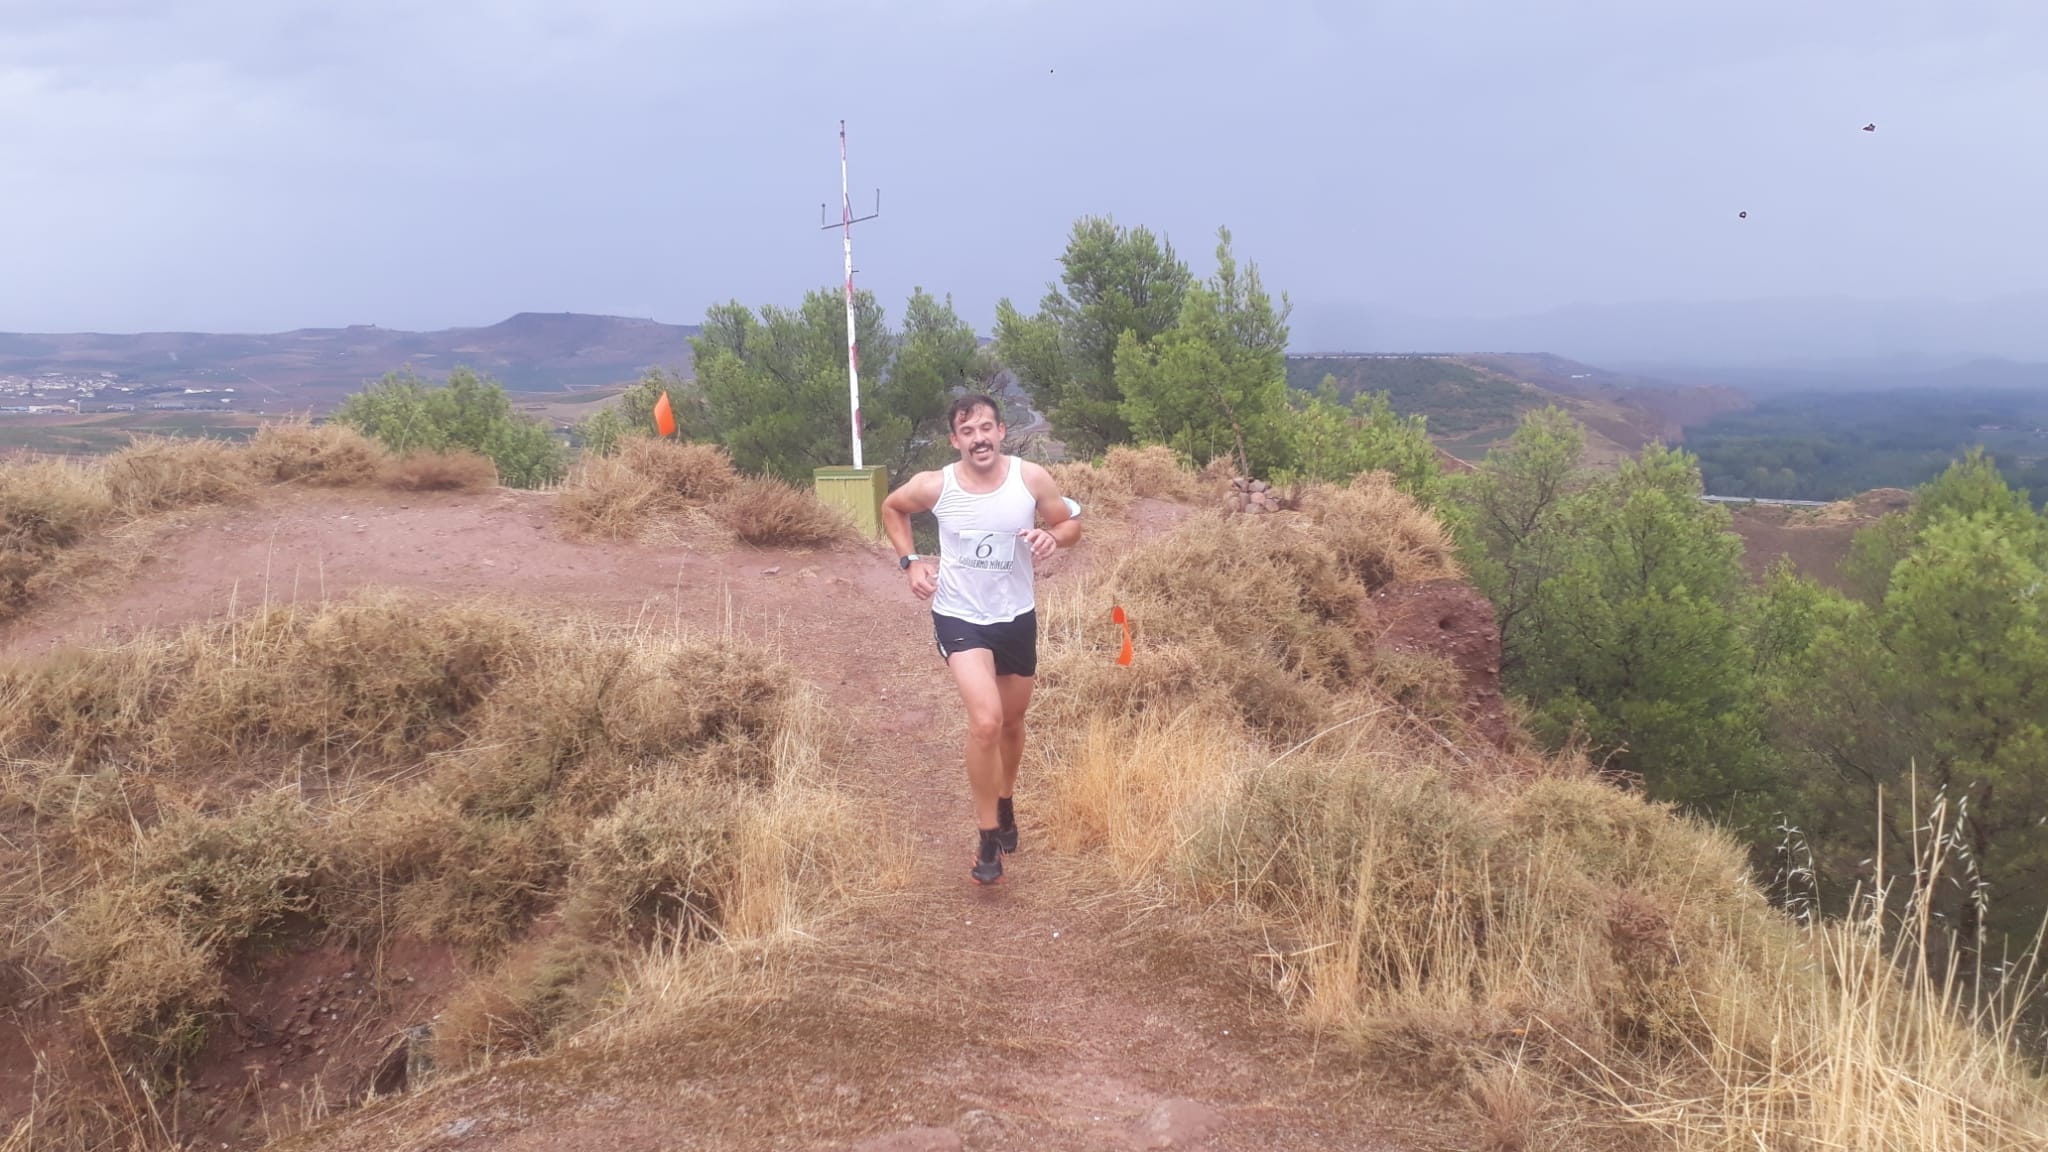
[
  {"x": 147, "y": 986},
  {"x": 606, "y": 498},
  {"x": 49, "y": 504},
  {"x": 1379, "y": 534},
  {"x": 159, "y": 473},
  {"x": 327, "y": 455},
  {"x": 451, "y": 471},
  {"x": 46, "y": 506},
  {"x": 146, "y": 947},
  {"x": 1097, "y": 491},
  {"x": 766, "y": 512},
  {"x": 376, "y": 676},
  {"x": 681, "y": 468},
  {"x": 229, "y": 880},
  {"x": 662, "y": 862},
  {"x": 1152, "y": 472}
]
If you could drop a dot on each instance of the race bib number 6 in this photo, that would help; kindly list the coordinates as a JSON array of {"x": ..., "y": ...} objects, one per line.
[{"x": 992, "y": 551}]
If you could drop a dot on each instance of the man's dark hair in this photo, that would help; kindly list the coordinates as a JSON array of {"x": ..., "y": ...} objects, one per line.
[{"x": 966, "y": 405}]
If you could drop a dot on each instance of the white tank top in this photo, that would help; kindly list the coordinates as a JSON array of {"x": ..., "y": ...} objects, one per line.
[{"x": 984, "y": 568}]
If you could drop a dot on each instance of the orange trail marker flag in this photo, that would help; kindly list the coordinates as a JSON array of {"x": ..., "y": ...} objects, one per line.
[
  {"x": 1117, "y": 614},
  {"x": 664, "y": 417}
]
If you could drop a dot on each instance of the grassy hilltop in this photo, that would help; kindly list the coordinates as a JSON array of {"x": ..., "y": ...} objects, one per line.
[{"x": 641, "y": 832}]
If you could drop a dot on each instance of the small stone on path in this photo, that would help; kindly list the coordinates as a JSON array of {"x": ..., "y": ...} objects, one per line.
[{"x": 1177, "y": 1123}]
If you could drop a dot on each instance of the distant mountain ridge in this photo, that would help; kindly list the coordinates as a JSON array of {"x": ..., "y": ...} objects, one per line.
[
  {"x": 530, "y": 351},
  {"x": 1474, "y": 401}
]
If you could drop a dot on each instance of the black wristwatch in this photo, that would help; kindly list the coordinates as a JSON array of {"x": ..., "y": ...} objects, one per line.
[{"x": 904, "y": 562}]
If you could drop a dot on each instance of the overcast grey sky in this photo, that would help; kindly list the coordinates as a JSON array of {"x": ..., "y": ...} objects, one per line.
[{"x": 231, "y": 165}]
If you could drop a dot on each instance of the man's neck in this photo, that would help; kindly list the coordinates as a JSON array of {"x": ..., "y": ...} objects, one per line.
[{"x": 982, "y": 481}]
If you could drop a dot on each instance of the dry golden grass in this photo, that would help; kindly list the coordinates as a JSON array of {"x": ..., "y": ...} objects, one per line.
[
  {"x": 455, "y": 471},
  {"x": 525, "y": 1005},
  {"x": 1569, "y": 957},
  {"x": 326, "y": 455},
  {"x": 1127, "y": 474},
  {"x": 606, "y": 498},
  {"x": 1580, "y": 965},
  {"x": 1097, "y": 491},
  {"x": 381, "y": 768},
  {"x": 1254, "y": 614},
  {"x": 1378, "y": 533},
  {"x": 653, "y": 481},
  {"x": 160, "y": 473},
  {"x": 46, "y": 506},
  {"x": 1152, "y": 472},
  {"x": 767, "y": 512},
  {"x": 683, "y": 469}
]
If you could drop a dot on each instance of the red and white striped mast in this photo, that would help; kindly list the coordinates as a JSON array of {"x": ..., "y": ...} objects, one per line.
[{"x": 846, "y": 222}]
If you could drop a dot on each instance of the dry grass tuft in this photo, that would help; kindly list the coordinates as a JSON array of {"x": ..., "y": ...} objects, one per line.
[
  {"x": 1152, "y": 472},
  {"x": 455, "y": 471},
  {"x": 160, "y": 473},
  {"x": 1252, "y": 614},
  {"x": 682, "y": 469},
  {"x": 1127, "y": 474},
  {"x": 661, "y": 860},
  {"x": 49, "y": 503},
  {"x": 606, "y": 498},
  {"x": 381, "y": 768},
  {"x": 325, "y": 455},
  {"x": 767, "y": 512},
  {"x": 1378, "y": 533},
  {"x": 145, "y": 947},
  {"x": 379, "y": 676},
  {"x": 1097, "y": 491},
  {"x": 46, "y": 506},
  {"x": 621, "y": 497},
  {"x": 525, "y": 1005}
]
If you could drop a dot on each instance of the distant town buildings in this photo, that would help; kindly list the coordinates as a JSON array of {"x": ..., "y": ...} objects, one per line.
[{"x": 47, "y": 393}]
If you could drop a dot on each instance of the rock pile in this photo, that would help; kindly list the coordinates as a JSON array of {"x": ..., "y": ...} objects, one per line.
[{"x": 1254, "y": 496}]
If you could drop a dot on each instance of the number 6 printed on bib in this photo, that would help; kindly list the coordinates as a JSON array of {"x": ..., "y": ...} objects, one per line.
[{"x": 989, "y": 551}]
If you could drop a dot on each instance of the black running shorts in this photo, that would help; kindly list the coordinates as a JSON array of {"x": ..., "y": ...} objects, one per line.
[{"x": 1014, "y": 642}]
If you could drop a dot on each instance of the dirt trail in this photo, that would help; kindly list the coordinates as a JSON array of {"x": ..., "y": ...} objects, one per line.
[{"x": 1037, "y": 1014}]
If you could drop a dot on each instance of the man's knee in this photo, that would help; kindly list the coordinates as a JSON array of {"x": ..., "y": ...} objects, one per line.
[{"x": 984, "y": 728}]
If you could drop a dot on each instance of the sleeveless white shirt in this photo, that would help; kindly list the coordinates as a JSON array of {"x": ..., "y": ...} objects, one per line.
[{"x": 984, "y": 567}]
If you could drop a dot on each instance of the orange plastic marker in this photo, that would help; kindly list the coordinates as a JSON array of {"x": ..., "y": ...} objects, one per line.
[
  {"x": 664, "y": 417},
  {"x": 1117, "y": 614}
]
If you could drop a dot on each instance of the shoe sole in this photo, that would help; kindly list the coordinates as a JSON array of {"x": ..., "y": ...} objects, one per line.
[{"x": 978, "y": 880}]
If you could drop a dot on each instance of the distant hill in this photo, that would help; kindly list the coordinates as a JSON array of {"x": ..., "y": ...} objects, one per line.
[
  {"x": 531, "y": 351},
  {"x": 1473, "y": 402}
]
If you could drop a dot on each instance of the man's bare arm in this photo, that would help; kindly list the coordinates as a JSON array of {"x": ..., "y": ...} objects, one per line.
[
  {"x": 1063, "y": 526},
  {"x": 918, "y": 494}
]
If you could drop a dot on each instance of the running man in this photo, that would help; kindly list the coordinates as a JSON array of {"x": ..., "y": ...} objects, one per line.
[{"x": 983, "y": 611}]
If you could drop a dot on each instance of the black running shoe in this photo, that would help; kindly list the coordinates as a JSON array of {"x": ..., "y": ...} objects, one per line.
[
  {"x": 988, "y": 858},
  {"x": 1006, "y": 824}
]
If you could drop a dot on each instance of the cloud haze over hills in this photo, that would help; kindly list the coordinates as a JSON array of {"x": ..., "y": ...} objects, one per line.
[
  {"x": 1908, "y": 333},
  {"x": 244, "y": 166}
]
